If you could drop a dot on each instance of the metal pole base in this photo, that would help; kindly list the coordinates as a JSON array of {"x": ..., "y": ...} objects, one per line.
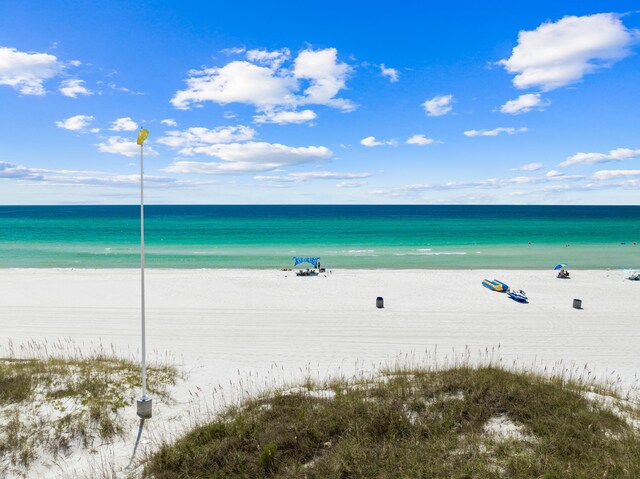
[{"x": 144, "y": 407}]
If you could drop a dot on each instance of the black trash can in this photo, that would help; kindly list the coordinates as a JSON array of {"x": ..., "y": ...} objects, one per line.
[
  {"x": 379, "y": 302},
  {"x": 577, "y": 303}
]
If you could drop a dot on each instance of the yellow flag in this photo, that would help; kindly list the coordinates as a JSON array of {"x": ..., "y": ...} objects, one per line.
[{"x": 142, "y": 136}]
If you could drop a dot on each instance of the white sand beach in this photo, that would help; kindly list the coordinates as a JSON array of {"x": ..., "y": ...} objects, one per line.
[{"x": 225, "y": 325}]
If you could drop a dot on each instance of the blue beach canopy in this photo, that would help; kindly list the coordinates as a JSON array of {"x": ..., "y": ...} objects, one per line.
[
  {"x": 560, "y": 266},
  {"x": 313, "y": 261}
]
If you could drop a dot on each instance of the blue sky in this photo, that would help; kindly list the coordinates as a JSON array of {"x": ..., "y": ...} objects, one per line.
[{"x": 258, "y": 102}]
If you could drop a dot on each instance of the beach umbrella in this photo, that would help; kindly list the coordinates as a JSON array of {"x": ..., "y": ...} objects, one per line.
[
  {"x": 144, "y": 403},
  {"x": 560, "y": 266}
]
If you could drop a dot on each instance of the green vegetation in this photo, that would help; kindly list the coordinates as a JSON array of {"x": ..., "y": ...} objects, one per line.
[
  {"x": 458, "y": 423},
  {"x": 49, "y": 405}
]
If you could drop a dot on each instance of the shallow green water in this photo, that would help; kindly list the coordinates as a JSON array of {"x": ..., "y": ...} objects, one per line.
[{"x": 343, "y": 236}]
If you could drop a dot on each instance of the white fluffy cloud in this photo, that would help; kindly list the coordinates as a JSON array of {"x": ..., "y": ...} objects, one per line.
[
  {"x": 326, "y": 76},
  {"x": 555, "y": 178},
  {"x": 27, "y": 72},
  {"x": 271, "y": 58},
  {"x": 169, "y": 122},
  {"x": 284, "y": 117},
  {"x": 196, "y": 137},
  {"x": 619, "y": 154},
  {"x": 530, "y": 167},
  {"x": 237, "y": 82},
  {"x": 371, "y": 141},
  {"x": 74, "y": 87},
  {"x": 495, "y": 131},
  {"x": 75, "y": 123},
  {"x": 233, "y": 50},
  {"x": 8, "y": 170},
  {"x": 560, "y": 53},
  {"x": 351, "y": 184},
  {"x": 438, "y": 105},
  {"x": 70, "y": 177},
  {"x": 106, "y": 179},
  {"x": 524, "y": 104},
  {"x": 312, "y": 175},
  {"x": 250, "y": 157},
  {"x": 124, "y": 124},
  {"x": 391, "y": 73},
  {"x": 123, "y": 146},
  {"x": 318, "y": 73},
  {"x": 115, "y": 87},
  {"x": 615, "y": 174},
  {"x": 420, "y": 140}
]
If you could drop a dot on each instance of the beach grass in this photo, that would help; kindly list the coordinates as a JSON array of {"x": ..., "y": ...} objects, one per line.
[
  {"x": 61, "y": 398},
  {"x": 462, "y": 422}
]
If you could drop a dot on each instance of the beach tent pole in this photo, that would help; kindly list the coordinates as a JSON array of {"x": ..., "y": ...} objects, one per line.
[{"x": 144, "y": 403}]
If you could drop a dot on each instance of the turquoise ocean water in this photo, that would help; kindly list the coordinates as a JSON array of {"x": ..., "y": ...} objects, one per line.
[{"x": 343, "y": 236}]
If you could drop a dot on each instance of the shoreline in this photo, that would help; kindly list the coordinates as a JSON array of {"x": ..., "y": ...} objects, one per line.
[
  {"x": 479, "y": 257},
  {"x": 337, "y": 269}
]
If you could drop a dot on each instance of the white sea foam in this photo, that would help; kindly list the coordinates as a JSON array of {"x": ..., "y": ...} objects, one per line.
[
  {"x": 361, "y": 252},
  {"x": 428, "y": 252},
  {"x": 438, "y": 253}
]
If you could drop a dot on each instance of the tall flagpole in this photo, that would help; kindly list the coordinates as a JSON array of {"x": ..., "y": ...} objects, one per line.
[
  {"x": 144, "y": 403},
  {"x": 144, "y": 352}
]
